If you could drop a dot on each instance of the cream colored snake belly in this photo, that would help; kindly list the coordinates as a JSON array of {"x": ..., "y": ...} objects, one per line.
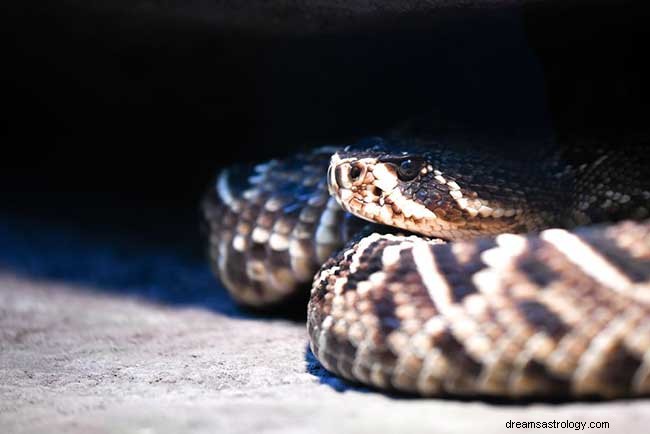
[{"x": 439, "y": 271}]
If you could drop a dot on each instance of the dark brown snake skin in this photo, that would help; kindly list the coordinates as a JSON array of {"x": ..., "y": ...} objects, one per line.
[{"x": 546, "y": 312}]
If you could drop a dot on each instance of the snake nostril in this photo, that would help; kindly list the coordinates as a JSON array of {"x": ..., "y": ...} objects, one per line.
[{"x": 355, "y": 172}]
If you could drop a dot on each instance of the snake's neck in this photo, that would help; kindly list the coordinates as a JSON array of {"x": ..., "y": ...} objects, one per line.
[{"x": 604, "y": 184}]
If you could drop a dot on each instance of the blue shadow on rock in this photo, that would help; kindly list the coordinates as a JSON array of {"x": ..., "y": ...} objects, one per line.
[
  {"x": 314, "y": 367},
  {"x": 105, "y": 261}
]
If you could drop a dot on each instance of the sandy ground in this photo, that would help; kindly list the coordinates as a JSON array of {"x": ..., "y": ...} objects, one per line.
[{"x": 97, "y": 339}]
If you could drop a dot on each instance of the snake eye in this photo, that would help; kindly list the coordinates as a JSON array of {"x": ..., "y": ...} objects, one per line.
[{"x": 408, "y": 169}]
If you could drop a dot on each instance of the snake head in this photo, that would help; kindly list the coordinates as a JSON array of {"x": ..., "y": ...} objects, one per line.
[{"x": 417, "y": 190}]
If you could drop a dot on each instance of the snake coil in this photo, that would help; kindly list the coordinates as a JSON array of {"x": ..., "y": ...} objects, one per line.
[{"x": 500, "y": 276}]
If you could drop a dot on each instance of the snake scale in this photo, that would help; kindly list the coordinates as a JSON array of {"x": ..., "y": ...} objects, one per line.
[{"x": 444, "y": 271}]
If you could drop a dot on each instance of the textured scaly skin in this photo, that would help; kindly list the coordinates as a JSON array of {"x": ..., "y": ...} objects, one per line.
[
  {"x": 556, "y": 314},
  {"x": 559, "y": 314},
  {"x": 271, "y": 226}
]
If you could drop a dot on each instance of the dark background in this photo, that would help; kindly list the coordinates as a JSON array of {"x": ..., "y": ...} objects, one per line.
[{"x": 117, "y": 114}]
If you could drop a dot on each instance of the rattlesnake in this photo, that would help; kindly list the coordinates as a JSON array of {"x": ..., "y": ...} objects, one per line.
[{"x": 508, "y": 305}]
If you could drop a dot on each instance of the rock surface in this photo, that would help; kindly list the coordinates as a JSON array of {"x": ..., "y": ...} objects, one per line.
[{"x": 99, "y": 337}]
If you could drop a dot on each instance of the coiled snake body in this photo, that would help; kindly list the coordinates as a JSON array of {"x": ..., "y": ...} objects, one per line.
[{"x": 509, "y": 304}]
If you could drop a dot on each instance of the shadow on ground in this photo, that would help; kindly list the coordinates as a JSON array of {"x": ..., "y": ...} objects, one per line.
[
  {"x": 174, "y": 275},
  {"x": 314, "y": 367},
  {"x": 173, "y": 271}
]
